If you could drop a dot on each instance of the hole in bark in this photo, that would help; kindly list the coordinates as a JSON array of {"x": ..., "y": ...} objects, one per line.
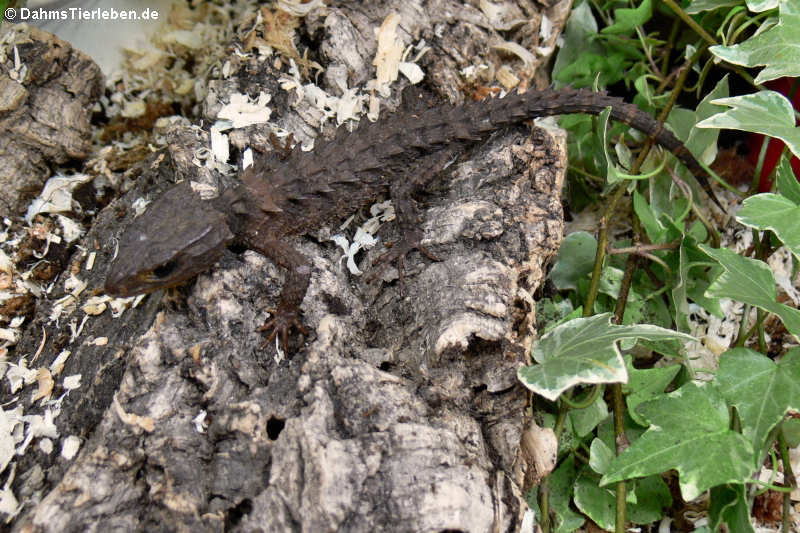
[
  {"x": 477, "y": 389},
  {"x": 238, "y": 512},
  {"x": 386, "y": 366},
  {"x": 237, "y": 248},
  {"x": 274, "y": 427}
]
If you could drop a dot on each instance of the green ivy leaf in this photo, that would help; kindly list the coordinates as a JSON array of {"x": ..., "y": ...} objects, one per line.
[
  {"x": 628, "y": 19},
  {"x": 760, "y": 389},
  {"x": 596, "y": 502},
  {"x": 702, "y": 142},
  {"x": 575, "y": 260},
  {"x": 788, "y": 185},
  {"x": 759, "y": 6},
  {"x": 776, "y": 49},
  {"x": 776, "y": 213},
  {"x": 652, "y": 498},
  {"x": 600, "y": 456},
  {"x": 580, "y": 26},
  {"x": 752, "y": 282},
  {"x": 729, "y": 506},
  {"x": 680, "y": 280},
  {"x": 647, "y": 498},
  {"x": 791, "y": 430},
  {"x": 644, "y": 385},
  {"x": 584, "y": 351},
  {"x": 654, "y": 229},
  {"x": 562, "y": 481},
  {"x": 693, "y": 418},
  {"x": 698, "y": 6},
  {"x": 766, "y": 112},
  {"x": 585, "y": 420}
]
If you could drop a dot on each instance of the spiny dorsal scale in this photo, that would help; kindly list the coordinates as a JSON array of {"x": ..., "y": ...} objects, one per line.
[
  {"x": 345, "y": 176},
  {"x": 369, "y": 161},
  {"x": 388, "y": 149}
]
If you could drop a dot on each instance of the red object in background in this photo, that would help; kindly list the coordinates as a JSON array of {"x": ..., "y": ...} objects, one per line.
[{"x": 775, "y": 147}]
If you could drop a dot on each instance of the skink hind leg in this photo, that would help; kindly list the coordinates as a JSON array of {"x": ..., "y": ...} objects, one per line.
[
  {"x": 402, "y": 191},
  {"x": 397, "y": 254}
]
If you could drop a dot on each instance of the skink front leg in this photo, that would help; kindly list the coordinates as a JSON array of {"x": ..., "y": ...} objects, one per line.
[{"x": 298, "y": 276}]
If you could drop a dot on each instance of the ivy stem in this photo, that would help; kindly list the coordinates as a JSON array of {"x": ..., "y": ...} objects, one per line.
[
  {"x": 689, "y": 21},
  {"x": 544, "y": 487},
  {"x": 600, "y": 255},
  {"x": 763, "y": 250},
  {"x": 544, "y": 504},
  {"x": 788, "y": 479},
  {"x": 621, "y": 442},
  {"x": 744, "y": 333},
  {"x": 585, "y": 402},
  {"x": 618, "y": 405}
]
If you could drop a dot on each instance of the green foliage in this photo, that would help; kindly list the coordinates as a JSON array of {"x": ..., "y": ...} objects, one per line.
[
  {"x": 729, "y": 507},
  {"x": 584, "y": 351},
  {"x": 588, "y": 56},
  {"x": 752, "y": 282},
  {"x": 694, "y": 417},
  {"x": 761, "y": 390},
  {"x": 776, "y": 213},
  {"x": 628, "y": 19},
  {"x": 646, "y": 384},
  {"x": 575, "y": 260},
  {"x": 764, "y": 112},
  {"x": 713, "y": 433},
  {"x": 776, "y": 48},
  {"x": 562, "y": 482}
]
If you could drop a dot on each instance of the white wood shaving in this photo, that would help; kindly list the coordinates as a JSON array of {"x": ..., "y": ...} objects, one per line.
[
  {"x": 19, "y": 374},
  {"x": 139, "y": 206},
  {"x": 524, "y": 54},
  {"x": 95, "y": 305},
  {"x": 220, "y": 146},
  {"x": 412, "y": 71},
  {"x": 387, "y": 57},
  {"x": 134, "y": 109},
  {"x": 46, "y": 445},
  {"x": 70, "y": 230},
  {"x": 56, "y": 196},
  {"x": 72, "y": 382},
  {"x": 241, "y": 112},
  {"x": 298, "y": 8},
  {"x": 199, "y": 422},
  {"x": 90, "y": 260},
  {"x": 70, "y": 447},
  {"x": 58, "y": 364}
]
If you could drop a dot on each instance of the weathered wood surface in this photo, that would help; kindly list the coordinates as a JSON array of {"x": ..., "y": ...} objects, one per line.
[
  {"x": 400, "y": 413},
  {"x": 45, "y": 108}
]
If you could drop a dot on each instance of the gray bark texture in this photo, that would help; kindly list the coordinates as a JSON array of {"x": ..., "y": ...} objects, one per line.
[
  {"x": 44, "y": 110},
  {"x": 400, "y": 412}
]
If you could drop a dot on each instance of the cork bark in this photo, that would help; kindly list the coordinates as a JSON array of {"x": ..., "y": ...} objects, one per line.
[
  {"x": 47, "y": 90},
  {"x": 400, "y": 412}
]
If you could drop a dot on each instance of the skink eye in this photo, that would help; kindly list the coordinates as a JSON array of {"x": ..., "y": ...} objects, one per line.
[{"x": 165, "y": 270}]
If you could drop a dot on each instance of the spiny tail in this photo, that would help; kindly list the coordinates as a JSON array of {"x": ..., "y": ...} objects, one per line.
[
  {"x": 512, "y": 108},
  {"x": 372, "y": 145}
]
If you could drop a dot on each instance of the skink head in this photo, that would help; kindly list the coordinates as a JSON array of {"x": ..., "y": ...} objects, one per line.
[{"x": 176, "y": 238}]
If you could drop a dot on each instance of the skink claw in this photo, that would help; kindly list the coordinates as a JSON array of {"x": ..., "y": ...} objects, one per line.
[
  {"x": 283, "y": 320},
  {"x": 398, "y": 253}
]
